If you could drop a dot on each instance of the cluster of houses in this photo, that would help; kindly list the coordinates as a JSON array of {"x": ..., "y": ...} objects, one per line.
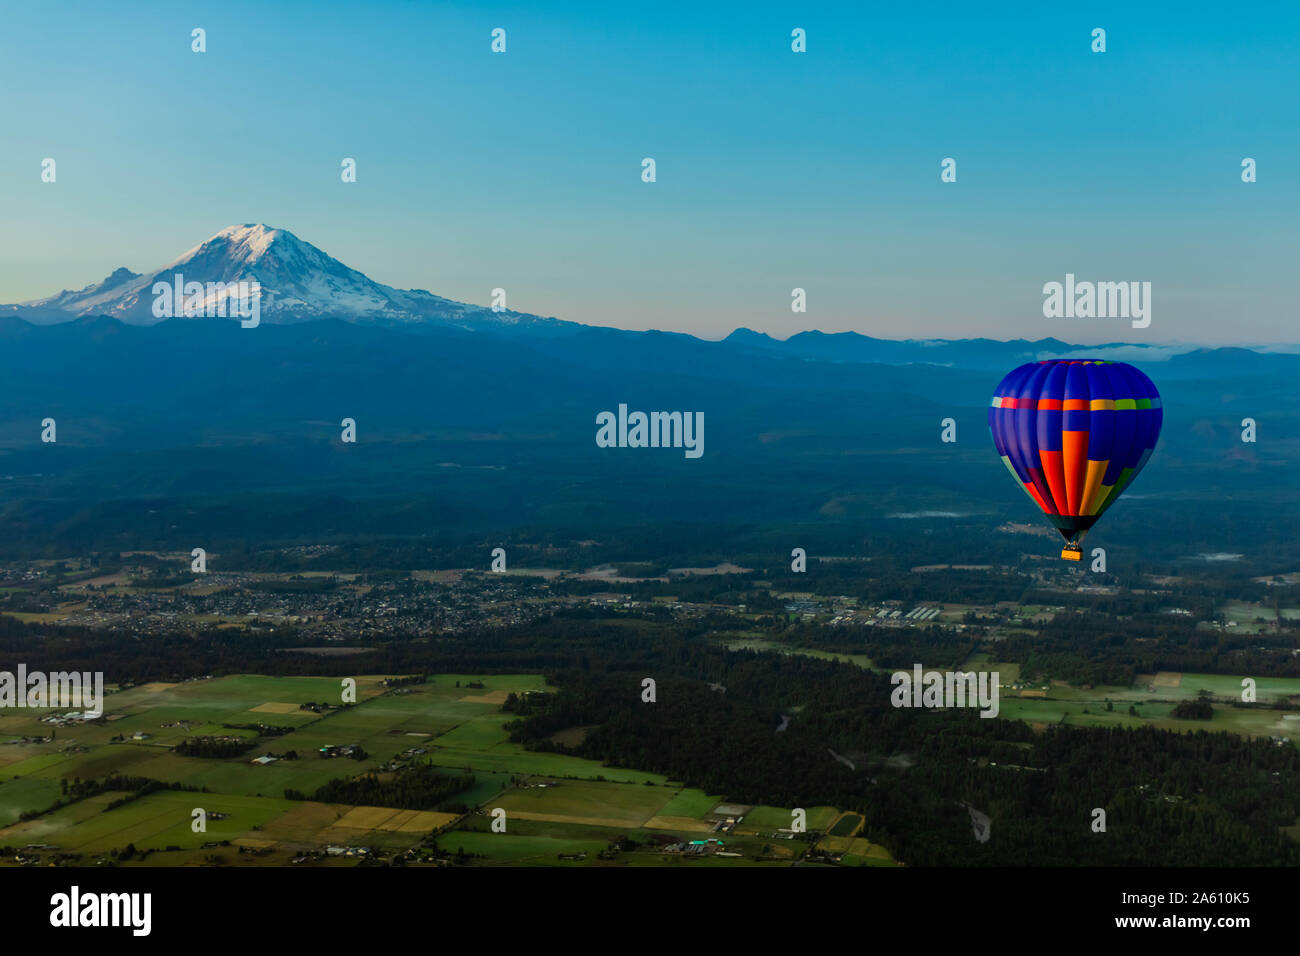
[
  {"x": 335, "y": 615},
  {"x": 712, "y": 845},
  {"x": 354, "y": 852},
  {"x": 918, "y": 614},
  {"x": 725, "y": 816},
  {"x": 139, "y": 735},
  {"x": 339, "y": 750},
  {"x": 361, "y": 851},
  {"x": 71, "y": 717},
  {"x": 31, "y": 740},
  {"x": 28, "y": 856},
  {"x": 805, "y": 608}
]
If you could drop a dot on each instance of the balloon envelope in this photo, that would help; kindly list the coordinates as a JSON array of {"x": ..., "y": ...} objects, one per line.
[{"x": 1075, "y": 433}]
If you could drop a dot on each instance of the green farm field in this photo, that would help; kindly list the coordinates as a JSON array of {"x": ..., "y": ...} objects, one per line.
[
  {"x": 555, "y": 805},
  {"x": 1154, "y": 697},
  {"x": 735, "y": 642}
]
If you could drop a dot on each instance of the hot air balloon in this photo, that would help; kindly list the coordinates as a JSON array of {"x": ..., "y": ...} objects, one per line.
[{"x": 1075, "y": 433}]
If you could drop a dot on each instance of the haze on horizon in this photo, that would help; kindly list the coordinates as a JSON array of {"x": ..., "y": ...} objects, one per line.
[{"x": 775, "y": 170}]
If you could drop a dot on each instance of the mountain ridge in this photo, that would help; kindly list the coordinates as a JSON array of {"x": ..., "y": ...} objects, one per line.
[{"x": 300, "y": 283}]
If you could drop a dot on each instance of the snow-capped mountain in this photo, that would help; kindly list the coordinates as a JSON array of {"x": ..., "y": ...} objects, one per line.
[{"x": 298, "y": 283}]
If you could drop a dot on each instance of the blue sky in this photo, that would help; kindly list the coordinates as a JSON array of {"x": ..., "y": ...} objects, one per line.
[{"x": 775, "y": 169}]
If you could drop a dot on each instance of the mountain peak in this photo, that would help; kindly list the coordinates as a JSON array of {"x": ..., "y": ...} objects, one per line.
[
  {"x": 247, "y": 243},
  {"x": 118, "y": 276},
  {"x": 257, "y": 237},
  {"x": 251, "y": 228},
  {"x": 297, "y": 281}
]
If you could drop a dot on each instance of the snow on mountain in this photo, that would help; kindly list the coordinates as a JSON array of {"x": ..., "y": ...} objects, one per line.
[
  {"x": 298, "y": 283},
  {"x": 71, "y": 300}
]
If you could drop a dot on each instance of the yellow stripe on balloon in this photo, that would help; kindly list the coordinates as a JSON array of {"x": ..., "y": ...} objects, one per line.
[{"x": 1094, "y": 492}]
